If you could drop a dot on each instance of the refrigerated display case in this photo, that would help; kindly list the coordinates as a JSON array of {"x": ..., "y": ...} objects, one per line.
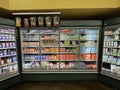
[
  {"x": 8, "y": 52},
  {"x": 64, "y": 49},
  {"x": 111, "y": 52}
]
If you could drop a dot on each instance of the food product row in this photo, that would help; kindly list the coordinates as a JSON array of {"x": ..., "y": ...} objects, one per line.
[
  {"x": 111, "y": 59},
  {"x": 65, "y": 57},
  {"x": 56, "y": 66},
  {"x": 6, "y": 70},
  {"x": 111, "y": 51},
  {"x": 7, "y": 52},
  {"x": 7, "y": 30},
  {"x": 112, "y": 68},
  {"x": 7, "y": 44},
  {"x": 8, "y": 60},
  {"x": 112, "y": 43},
  {"x": 6, "y": 37},
  {"x": 41, "y": 21}
]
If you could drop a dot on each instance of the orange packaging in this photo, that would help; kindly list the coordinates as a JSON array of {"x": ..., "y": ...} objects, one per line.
[
  {"x": 67, "y": 56},
  {"x": 86, "y": 56},
  {"x": 93, "y": 56},
  {"x": 60, "y": 57},
  {"x": 57, "y": 57}
]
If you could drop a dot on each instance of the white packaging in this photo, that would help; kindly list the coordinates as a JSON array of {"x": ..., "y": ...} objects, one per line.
[
  {"x": 118, "y": 69},
  {"x": 113, "y": 68}
]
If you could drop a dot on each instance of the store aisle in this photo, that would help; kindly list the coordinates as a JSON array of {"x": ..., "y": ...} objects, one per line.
[{"x": 60, "y": 86}]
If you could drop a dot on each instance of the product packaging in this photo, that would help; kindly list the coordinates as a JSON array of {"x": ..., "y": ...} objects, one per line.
[
  {"x": 26, "y": 22},
  {"x": 56, "y": 21},
  {"x": 48, "y": 21},
  {"x": 33, "y": 21},
  {"x": 41, "y": 21},
  {"x": 18, "y": 21}
]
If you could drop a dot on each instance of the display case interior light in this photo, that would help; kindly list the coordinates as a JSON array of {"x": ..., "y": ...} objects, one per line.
[{"x": 37, "y": 13}]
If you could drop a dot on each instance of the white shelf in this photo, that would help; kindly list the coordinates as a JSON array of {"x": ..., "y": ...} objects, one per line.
[
  {"x": 49, "y": 33},
  {"x": 68, "y": 52},
  {"x": 87, "y": 60},
  {"x": 88, "y": 40},
  {"x": 8, "y": 75},
  {"x": 8, "y": 48},
  {"x": 31, "y": 52},
  {"x": 69, "y": 33},
  {"x": 69, "y": 40},
  {"x": 7, "y": 40},
  {"x": 31, "y": 46},
  {"x": 49, "y": 52},
  {"x": 69, "y": 46},
  {"x": 31, "y": 60},
  {"x": 8, "y": 64},
  {"x": 49, "y": 60},
  {"x": 31, "y": 33},
  {"x": 49, "y": 46},
  {"x": 7, "y": 33},
  {"x": 7, "y": 55},
  {"x": 110, "y": 74},
  {"x": 30, "y": 40},
  {"x": 69, "y": 60}
]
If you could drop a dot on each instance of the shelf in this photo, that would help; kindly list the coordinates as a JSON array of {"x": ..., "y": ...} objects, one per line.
[
  {"x": 8, "y": 48},
  {"x": 108, "y": 47},
  {"x": 7, "y": 40},
  {"x": 49, "y": 39},
  {"x": 70, "y": 40},
  {"x": 49, "y": 60},
  {"x": 49, "y": 33},
  {"x": 69, "y": 33},
  {"x": 30, "y": 33},
  {"x": 88, "y": 40},
  {"x": 8, "y": 33},
  {"x": 49, "y": 52},
  {"x": 110, "y": 74},
  {"x": 111, "y": 63},
  {"x": 31, "y": 46},
  {"x": 30, "y": 40},
  {"x": 116, "y": 40},
  {"x": 69, "y": 46},
  {"x": 89, "y": 53},
  {"x": 8, "y": 64},
  {"x": 68, "y": 52},
  {"x": 49, "y": 46},
  {"x": 87, "y": 60},
  {"x": 31, "y": 52},
  {"x": 8, "y": 56},
  {"x": 111, "y": 47},
  {"x": 68, "y": 60},
  {"x": 31, "y": 60},
  {"x": 8, "y": 75},
  {"x": 109, "y": 54},
  {"x": 109, "y": 35}
]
